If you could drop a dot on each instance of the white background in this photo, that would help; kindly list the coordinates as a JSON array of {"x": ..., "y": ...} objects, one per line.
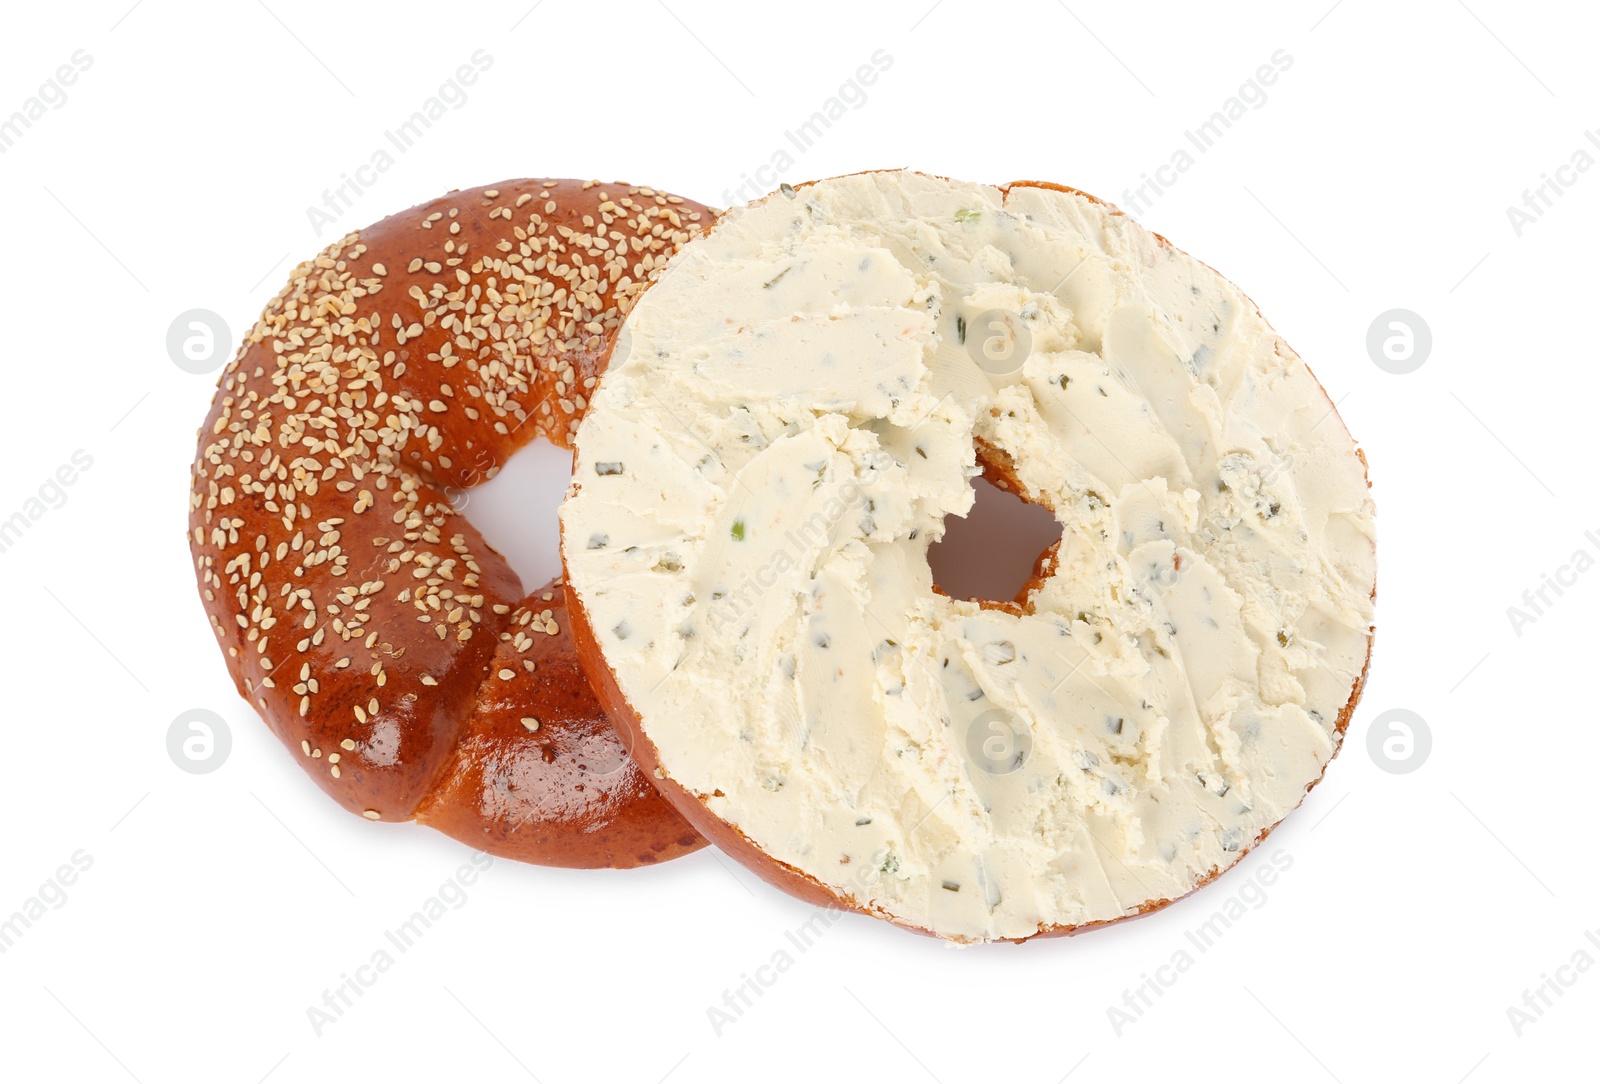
[{"x": 218, "y": 908}]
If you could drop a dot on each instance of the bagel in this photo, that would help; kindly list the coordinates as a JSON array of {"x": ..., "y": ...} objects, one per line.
[
  {"x": 795, "y": 407},
  {"x": 388, "y": 646}
]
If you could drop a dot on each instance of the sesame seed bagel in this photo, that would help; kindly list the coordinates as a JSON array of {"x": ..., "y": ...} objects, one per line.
[
  {"x": 388, "y": 646},
  {"x": 796, "y": 406}
]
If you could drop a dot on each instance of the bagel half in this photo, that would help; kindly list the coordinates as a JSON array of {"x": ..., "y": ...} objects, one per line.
[
  {"x": 388, "y": 646},
  {"x": 796, "y": 406}
]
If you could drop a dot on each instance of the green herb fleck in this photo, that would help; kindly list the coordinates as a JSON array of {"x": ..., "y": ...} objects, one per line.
[
  {"x": 738, "y": 530},
  {"x": 968, "y": 214}
]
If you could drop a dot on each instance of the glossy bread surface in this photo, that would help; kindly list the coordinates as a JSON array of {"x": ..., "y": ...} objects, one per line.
[{"x": 357, "y": 610}]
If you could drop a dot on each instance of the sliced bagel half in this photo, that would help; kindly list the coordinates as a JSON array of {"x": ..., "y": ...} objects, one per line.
[{"x": 794, "y": 409}]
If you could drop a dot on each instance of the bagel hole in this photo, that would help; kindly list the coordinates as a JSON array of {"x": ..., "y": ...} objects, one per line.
[
  {"x": 989, "y": 554},
  {"x": 515, "y": 511}
]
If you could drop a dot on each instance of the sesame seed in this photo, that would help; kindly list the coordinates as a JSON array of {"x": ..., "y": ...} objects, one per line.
[{"x": 530, "y": 722}]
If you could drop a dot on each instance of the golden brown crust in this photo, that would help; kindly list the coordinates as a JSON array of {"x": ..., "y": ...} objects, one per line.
[
  {"x": 540, "y": 774},
  {"x": 357, "y": 611},
  {"x": 999, "y": 471}
]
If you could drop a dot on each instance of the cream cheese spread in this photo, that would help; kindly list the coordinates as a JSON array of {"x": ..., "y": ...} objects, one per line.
[{"x": 793, "y": 410}]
